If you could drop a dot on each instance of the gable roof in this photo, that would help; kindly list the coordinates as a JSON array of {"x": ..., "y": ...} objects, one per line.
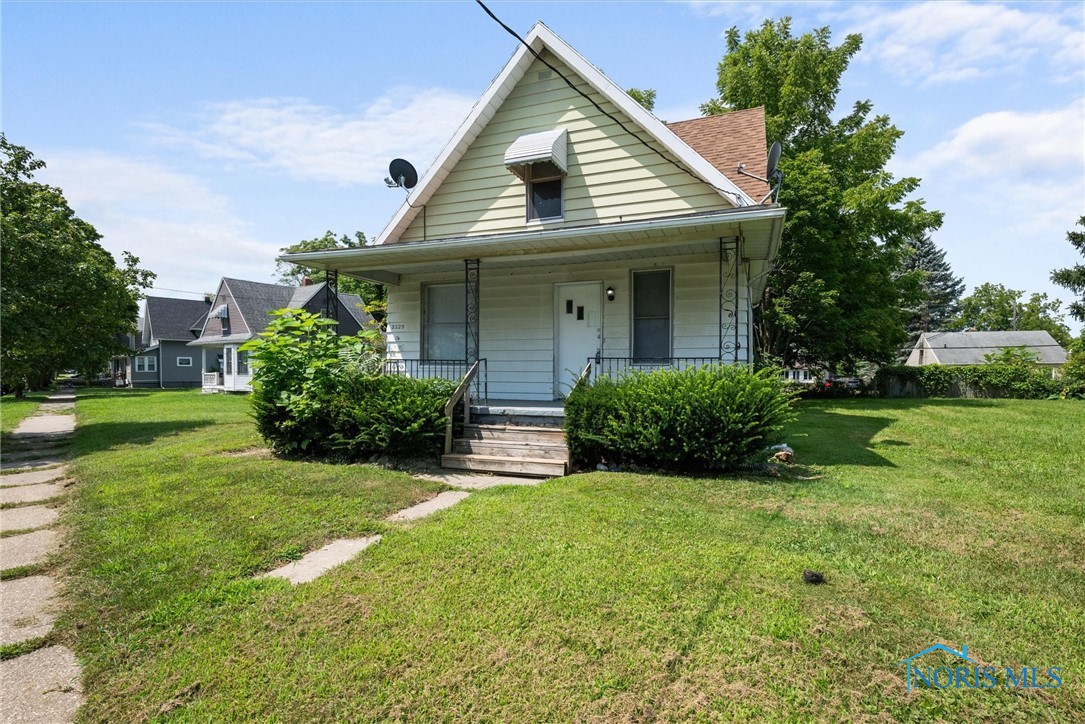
[
  {"x": 728, "y": 140},
  {"x": 172, "y": 319},
  {"x": 255, "y": 300},
  {"x": 970, "y": 348},
  {"x": 541, "y": 37}
]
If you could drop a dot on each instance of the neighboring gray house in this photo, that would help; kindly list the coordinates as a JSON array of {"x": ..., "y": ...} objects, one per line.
[
  {"x": 163, "y": 358},
  {"x": 972, "y": 348},
  {"x": 240, "y": 311}
]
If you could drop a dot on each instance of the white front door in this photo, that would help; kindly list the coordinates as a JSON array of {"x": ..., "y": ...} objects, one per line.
[{"x": 578, "y": 330}]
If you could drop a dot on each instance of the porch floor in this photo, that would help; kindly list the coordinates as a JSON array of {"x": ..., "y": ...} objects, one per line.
[{"x": 520, "y": 408}]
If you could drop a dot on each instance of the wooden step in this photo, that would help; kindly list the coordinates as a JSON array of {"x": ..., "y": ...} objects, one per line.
[
  {"x": 512, "y": 448},
  {"x": 528, "y": 467},
  {"x": 512, "y": 433}
]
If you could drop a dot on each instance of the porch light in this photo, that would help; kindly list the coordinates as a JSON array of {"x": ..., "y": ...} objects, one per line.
[{"x": 610, "y": 294}]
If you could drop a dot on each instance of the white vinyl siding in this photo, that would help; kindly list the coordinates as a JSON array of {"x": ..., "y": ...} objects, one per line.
[
  {"x": 611, "y": 176},
  {"x": 517, "y": 317}
]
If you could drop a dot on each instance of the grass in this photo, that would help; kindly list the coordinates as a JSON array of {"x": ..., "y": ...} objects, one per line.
[
  {"x": 599, "y": 596},
  {"x": 14, "y": 410}
]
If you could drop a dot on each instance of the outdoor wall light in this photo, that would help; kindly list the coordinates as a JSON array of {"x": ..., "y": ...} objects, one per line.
[{"x": 610, "y": 294}]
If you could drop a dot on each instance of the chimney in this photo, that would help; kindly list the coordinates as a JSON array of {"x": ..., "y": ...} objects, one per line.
[
  {"x": 208, "y": 297},
  {"x": 306, "y": 282}
]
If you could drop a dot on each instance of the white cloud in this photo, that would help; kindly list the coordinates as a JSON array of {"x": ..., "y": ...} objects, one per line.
[
  {"x": 946, "y": 42},
  {"x": 309, "y": 142},
  {"x": 178, "y": 227},
  {"x": 1016, "y": 146}
]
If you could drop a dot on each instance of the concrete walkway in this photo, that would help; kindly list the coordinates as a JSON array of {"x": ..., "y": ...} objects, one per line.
[
  {"x": 43, "y": 685},
  {"x": 315, "y": 564}
]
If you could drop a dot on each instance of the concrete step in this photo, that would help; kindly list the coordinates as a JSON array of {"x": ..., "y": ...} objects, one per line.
[
  {"x": 529, "y": 467},
  {"x": 513, "y": 433}
]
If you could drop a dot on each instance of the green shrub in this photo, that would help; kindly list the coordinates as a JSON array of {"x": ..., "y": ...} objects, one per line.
[
  {"x": 713, "y": 418},
  {"x": 1013, "y": 372},
  {"x": 388, "y": 415}
]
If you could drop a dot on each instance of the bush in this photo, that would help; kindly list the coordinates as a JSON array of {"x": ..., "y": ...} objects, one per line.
[
  {"x": 713, "y": 418},
  {"x": 1011, "y": 373},
  {"x": 318, "y": 394}
]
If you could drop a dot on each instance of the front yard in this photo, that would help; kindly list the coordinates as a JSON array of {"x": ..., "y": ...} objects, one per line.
[{"x": 606, "y": 595}]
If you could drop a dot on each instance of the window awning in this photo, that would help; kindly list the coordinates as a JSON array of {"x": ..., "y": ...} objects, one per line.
[
  {"x": 220, "y": 312},
  {"x": 532, "y": 148}
]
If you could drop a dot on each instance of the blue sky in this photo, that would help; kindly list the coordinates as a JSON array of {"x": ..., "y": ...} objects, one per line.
[{"x": 204, "y": 136}]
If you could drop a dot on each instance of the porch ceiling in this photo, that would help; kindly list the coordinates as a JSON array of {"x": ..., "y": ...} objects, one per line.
[{"x": 696, "y": 234}]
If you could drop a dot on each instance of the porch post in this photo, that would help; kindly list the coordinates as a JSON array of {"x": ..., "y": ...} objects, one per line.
[
  {"x": 729, "y": 300},
  {"x": 471, "y": 319},
  {"x": 331, "y": 296}
]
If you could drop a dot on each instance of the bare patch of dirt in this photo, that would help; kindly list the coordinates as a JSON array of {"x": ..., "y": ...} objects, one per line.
[{"x": 252, "y": 452}]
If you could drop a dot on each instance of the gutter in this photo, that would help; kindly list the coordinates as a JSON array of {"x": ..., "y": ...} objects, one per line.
[{"x": 478, "y": 244}]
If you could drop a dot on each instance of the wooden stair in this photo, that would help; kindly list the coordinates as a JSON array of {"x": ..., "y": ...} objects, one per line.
[{"x": 538, "y": 452}]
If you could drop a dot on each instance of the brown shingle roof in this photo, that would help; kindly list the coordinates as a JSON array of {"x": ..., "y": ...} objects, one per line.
[{"x": 726, "y": 141}]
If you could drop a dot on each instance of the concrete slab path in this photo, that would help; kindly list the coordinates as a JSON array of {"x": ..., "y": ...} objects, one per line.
[
  {"x": 30, "y": 493},
  {"x": 28, "y": 517},
  {"x": 27, "y": 549},
  {"x": 27, "y": 612},
  {"x": 475, "y": 481},
  {"x": 443, "y": 500},
  {"x": 319, "y": 562},
  {"x": 18, "y": 454},
  {"x": 33, "y": 477},
  {"x": 33, "y": 464},
  {"x": 45, "y": 425},
  {"x": 42, "y": 686}
]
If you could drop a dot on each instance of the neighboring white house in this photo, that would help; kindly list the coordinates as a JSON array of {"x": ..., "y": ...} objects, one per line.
[
  {"x": 972, "y": 348},
  {"x": 547, "y": 234}
]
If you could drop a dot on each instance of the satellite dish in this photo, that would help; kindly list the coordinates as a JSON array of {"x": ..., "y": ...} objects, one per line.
[
  {"x": 774, "y": 158},
  {"x": 403, "y": 173}
]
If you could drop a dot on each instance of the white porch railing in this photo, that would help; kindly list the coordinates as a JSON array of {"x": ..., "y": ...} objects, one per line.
[{"x": 212, "y": 379}]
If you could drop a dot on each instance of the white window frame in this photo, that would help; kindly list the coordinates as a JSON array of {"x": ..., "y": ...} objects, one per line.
[
  {"x": 633, "y": 310},
  {"x": 184, "y": 361},
  {"x": 529, "y": 182},
  {"x": 149, "y": 363}
]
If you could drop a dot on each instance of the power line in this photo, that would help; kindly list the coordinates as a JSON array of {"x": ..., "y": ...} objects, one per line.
[{"x": 599, "y": 108}]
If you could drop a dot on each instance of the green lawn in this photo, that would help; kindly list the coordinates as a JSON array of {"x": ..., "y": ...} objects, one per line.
[
  {"x": 605, "y": 596},
  {"x": 14, "y": 410}
]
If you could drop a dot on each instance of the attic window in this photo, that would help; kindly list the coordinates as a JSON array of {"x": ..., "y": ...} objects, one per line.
[{"x": 544, "y": 183}]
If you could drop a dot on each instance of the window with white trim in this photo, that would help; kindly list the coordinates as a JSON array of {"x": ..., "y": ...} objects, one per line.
[
  {"x": 545, "y": 185},
  {"x": 184, "y": 361},
  {"x": 652, "y": 314},
  {"x": 444, "y": 328},
  {"x": 146, "y": 364},
  {"x": 242, "y": 362}
]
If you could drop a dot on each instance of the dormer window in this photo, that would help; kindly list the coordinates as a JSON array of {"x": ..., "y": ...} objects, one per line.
[{"x": 541, "y": 160}]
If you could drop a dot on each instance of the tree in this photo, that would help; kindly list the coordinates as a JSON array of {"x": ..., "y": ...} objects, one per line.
[
  {"x": 835, "y": 296},
  {"x": 1073, "y": 278},
  {"x": 374, "y": 296},
  {"x": 65, "y": 303},
  {"x": 994, "y": 308},
  {"x": 645, "y": 96},
  {"x": 939, "y": 291}
]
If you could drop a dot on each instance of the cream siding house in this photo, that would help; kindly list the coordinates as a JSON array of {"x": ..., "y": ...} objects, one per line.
[{"x": 560, "y": 227}]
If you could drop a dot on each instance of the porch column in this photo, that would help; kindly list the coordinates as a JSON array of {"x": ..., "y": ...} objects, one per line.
[
  {"x": 471, "y": 284},
  {"x": 203, "y": 361},
  {"x": 331, "y": 296},
  {"x": 729, "y": 299}
]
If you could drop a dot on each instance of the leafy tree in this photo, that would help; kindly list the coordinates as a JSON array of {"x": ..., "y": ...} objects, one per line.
[
  {"x": 374, "y": 296},
  {"x": 939, "y": 291},
  {"x": 645, "y": 96},
  {"x": 1073, "y": 278},
  {"x": 65, "y": 303},
  {"x": 835, "y": 296},
  {"x": 993, "y": 308}
]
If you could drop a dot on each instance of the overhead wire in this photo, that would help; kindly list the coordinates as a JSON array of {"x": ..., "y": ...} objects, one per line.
[{"x": 599, "y": 108}]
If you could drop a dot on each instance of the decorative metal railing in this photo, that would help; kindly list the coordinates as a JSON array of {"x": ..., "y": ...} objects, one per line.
[
  {"x": 452, "y": 370},
  {"x": 617, "y": 366}
]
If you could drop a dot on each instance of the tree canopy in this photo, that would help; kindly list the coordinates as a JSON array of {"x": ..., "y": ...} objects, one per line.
[
  {"x": 939, "y": 290},
  {"x": 65, "y": 302},
  {"x": 1073, "y": 278},
  {"x": 836, "y": 295},
  {"x": 374, "y": 296},
  {"x": 995, "y": 308}
]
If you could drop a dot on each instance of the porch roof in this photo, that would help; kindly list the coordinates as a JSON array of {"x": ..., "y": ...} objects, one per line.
[
  {"x": 761, "y": 226},
  {"x": 219, "y": 341}
]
